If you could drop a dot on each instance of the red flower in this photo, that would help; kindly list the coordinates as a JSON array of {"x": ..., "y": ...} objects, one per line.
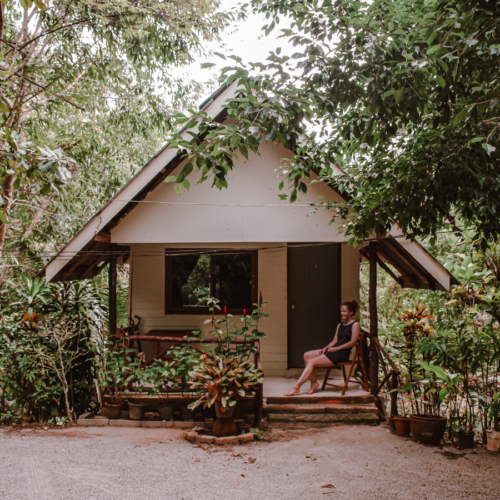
[
  {"x": 225, "y": 311},
  {"x": 244, "y": 312},
  {"x": 484, "y": 121}
]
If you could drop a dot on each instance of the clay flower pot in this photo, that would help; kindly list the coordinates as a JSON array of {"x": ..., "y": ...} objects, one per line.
[
  {"x": 225, "y": 424},
  {"x": 136, "y": 411},
  {"x": 186, "y": 413},
  {"x": 465, "y": 439},
  {"x": 112, "y": 411},
  {"x": 402, "y": 425},
  {"x": 166, "y": 411},
  {"x": 428, "y": 429},
  {"x": 493, "y": 441}
]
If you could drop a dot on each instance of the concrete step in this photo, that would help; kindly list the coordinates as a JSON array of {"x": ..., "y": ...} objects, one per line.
[
  {"x": 314, "y": 400},
  {"x": 346, "y": 418},
  {"x": 320, "y": 409}
]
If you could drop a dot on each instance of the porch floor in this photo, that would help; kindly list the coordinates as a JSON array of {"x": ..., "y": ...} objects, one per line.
[{"x": 276, "y": 387}]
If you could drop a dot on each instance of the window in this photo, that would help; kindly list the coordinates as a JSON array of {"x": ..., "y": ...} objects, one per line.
[{"x": 193, "y": 278}]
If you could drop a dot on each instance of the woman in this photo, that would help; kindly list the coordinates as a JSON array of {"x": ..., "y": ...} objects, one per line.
[{"x": 337, "y": 351}]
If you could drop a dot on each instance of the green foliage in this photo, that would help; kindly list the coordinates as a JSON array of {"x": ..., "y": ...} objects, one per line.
[
  {"x": 87, "y": 97},
  {"x": 495, "y": 411},
  {"x": 48, "y": 339},
  {"x": 224, "y": 373},
  {"x": 465, "y": 342},
  {"x": 223, "y": 379},
  {"x": 405, "y": 104}
]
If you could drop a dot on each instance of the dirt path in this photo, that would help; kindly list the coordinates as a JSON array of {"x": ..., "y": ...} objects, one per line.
[{"x": 119, "y": 463}]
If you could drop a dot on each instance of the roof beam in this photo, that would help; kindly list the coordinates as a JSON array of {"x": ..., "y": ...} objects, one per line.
[
  {"x": 425, "y": 278},
  {"x": 394, "y": 263}
]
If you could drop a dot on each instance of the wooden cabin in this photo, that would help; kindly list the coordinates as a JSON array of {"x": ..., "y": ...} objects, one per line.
[{"x": 230, "y": 244}]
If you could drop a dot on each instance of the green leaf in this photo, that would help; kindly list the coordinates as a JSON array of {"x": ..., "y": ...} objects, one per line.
[
  {"x": 433, "y": 49},
  {"x": 460, "y": 117},
  {"x": 3, "y": 217},
  {"x": 441, "y": 81},
  {"x": 178, "y": 189},
  {"x": 3, "y": 107},
  {"x": 40, "y": 5},
  {"x": 476, "y": 139},
  {"x": 171, "y": 178},
  {"x": 399, "y": 95},
  {"x": 243, "y": 150},
  {"x": 207, "y": 65},
  {"x": 489, "y": 148},
  {"x": 388, "y": 93},
  {"x": 26, "y": 4}
]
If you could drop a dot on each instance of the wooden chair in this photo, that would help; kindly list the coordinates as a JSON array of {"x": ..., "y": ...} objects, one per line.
[{"x": 356, "y": 359}]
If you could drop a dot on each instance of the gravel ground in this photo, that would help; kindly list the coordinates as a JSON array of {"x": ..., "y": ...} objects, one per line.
[{"x": 358, "y": 462}]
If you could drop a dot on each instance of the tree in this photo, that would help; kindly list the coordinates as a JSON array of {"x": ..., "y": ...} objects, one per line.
[
  {"x": 401, "y": 95},
  {"x": 86, "y": 94}
]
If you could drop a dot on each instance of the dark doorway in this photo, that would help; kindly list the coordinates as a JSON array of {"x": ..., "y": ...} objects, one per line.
[{"x": 313, "y": 298}]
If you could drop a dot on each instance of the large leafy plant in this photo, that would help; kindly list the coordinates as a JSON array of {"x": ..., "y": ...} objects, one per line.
[
  {"x": 224, "y": 379},
  {"x": 225, "y": 373}
]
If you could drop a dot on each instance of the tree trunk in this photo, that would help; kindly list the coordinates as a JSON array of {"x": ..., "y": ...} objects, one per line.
[
  {"x": 373, "y": 318},
  {"x": 112, "y": 293},
  {"x": 8, "y": 187}
]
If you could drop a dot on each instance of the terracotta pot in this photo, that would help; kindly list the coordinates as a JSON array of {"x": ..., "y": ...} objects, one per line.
[
  {"x": 186, "y": 413},
  {"x": 428, "y": 429},
  {"x": 136, "y": 411},
  {"x": 112, "y": 411},
  {"x": 465, "y": 439},
  {"x": 493, "y": 438},
  {"x": 225, "y": 424},
  {"x": 209, "y": 413},
  {"x": 225, "y": 427},
  {"x": 166, "y": 411},
  {"x": 402, "y": 425},
  {"x": 224, "y": 414}
]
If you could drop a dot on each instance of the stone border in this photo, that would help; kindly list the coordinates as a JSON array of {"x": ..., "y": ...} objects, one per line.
[
  {"x": 194, "y": 437},
  {"x": 145, "y": 424}
]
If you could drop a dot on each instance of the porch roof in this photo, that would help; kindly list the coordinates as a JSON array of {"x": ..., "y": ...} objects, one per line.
[{"x": 91, "y": 249}]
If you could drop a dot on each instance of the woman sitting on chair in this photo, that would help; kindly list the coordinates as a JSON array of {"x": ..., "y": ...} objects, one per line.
[{"x": 337, "y": 351}]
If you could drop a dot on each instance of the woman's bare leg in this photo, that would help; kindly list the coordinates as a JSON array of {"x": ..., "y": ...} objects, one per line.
[
  {"x": 314, "y": 381},
  {"x": 318, "y": 361}
]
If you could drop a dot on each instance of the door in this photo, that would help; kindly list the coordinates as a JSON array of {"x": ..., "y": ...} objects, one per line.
[{"x": 313, "y": 298}]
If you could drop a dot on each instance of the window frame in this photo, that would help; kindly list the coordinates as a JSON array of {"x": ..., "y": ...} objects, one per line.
[{"x": 210, "y": 252}]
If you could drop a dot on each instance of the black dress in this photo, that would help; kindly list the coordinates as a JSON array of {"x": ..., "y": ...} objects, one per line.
[{"x": 344, "y": 337}]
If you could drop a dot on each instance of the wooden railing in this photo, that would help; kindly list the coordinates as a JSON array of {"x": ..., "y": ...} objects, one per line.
[
  {"x": 259, "y": 393},
  {"x": 392, "y": 375}
]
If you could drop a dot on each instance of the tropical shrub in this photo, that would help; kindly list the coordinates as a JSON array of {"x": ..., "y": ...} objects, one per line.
[
  {"x": 225, "y": 373},
  {"x": 49, "y": 339}
]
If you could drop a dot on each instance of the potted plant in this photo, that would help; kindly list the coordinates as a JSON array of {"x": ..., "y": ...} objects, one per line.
[
  {"x": 225, "y": 373},
  {"x": 221, "y": 380},
  {"x": 493, "y": 435},
  {"x": 184, "y": 359},
  {"x": 162, "y": 379},
  {"x": 429, "y": 428},
  {"x": 122, "y": 369}
]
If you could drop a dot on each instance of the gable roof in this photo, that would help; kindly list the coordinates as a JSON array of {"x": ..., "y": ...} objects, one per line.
[{"x": 91, "y": 248}]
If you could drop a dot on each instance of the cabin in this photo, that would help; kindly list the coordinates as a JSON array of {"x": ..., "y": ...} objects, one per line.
[{"x": 231, "y": 244}]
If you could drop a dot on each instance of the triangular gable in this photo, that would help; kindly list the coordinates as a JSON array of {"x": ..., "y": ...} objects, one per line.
[{"x": 120, "y": 222}]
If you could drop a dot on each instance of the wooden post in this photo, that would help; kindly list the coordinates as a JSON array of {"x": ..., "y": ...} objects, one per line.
[
  {"x": 112, "y": 293},
  {"x": 373, "y": 318},
  {"x": 259, "y": 393},
  {"x": 394, "y": 395}
]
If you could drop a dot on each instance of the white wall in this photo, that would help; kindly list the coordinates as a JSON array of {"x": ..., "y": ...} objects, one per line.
[
  {"x": 248, "y": 211},
  {"x": 148, "y": 296}
]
